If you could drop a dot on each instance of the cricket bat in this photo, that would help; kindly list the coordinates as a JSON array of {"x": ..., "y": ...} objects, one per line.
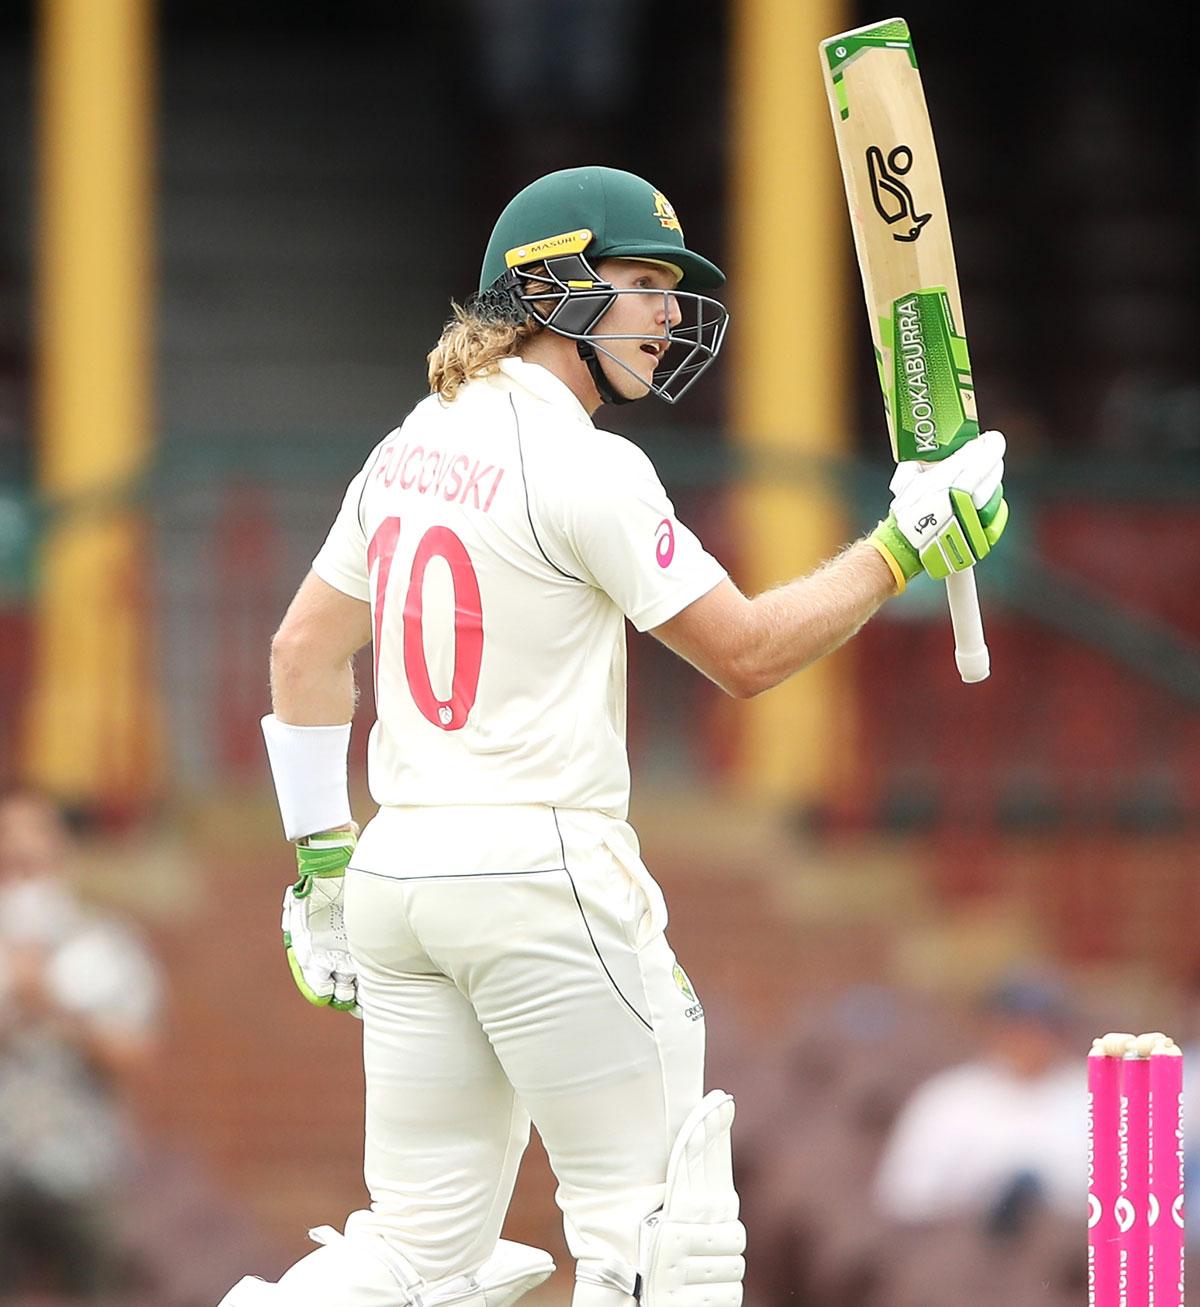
[{"x": 902, "y": 236}]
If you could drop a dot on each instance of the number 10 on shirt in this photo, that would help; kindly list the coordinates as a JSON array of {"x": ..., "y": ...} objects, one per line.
[{"x": 437, "y": 542}]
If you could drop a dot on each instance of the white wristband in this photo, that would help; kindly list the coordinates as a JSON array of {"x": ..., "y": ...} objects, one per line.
[{"x": 308, "y": 764}]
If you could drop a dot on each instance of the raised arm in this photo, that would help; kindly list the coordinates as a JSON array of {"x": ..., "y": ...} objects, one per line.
[
  {"x": 945, "y": 517},
  {"x": 749, "y": 645}
]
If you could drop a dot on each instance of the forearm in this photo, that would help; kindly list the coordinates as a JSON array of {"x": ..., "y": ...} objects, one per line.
[
  {"x": 312, "y": 671},
  {"x": 307, "y": 690},
  {"x": 307, "y": 737},
  {"x": 313, "y": 697},
  {"x": 793, "y": 625}
]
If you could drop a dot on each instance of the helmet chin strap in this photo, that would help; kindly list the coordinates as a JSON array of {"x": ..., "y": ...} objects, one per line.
[{"x": 608, "y": 393}]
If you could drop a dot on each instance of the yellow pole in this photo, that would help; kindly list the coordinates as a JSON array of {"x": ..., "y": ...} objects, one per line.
[
  {"x": 790, "y": 370},
  {"x": 92, "y": 734}
]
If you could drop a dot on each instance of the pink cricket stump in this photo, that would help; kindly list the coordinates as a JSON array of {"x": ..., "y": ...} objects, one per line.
[
  {"x": 1134, "y": 1200},
  {"x": 1166, "y": 1250},
  {"x": 1104, "y": 1116}
]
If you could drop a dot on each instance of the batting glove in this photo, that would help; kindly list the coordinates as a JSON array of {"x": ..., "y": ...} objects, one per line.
[
  {"x": 314, "y": 927},
  {"x": 945, "y": 516}
]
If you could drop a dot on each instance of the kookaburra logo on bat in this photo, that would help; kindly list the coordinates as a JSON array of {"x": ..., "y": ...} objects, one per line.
[{"x": 893, "y": 200}]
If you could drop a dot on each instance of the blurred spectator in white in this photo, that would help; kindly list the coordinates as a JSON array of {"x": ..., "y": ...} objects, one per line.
[
  {"x": 79, "y": 1001},
  {"x": 1000, "y": 1135}
]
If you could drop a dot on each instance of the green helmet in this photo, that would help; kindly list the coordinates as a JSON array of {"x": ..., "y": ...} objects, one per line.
[
  {"x": 602, "y": 213},
  {"x": 541, "y": 264}
]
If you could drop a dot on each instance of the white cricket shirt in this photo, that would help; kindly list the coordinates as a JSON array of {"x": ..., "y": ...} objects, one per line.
[{"x": 501, "y": 541}]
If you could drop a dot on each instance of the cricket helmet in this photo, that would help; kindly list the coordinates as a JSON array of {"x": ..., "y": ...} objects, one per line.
[{"x": 541, "y": 263}]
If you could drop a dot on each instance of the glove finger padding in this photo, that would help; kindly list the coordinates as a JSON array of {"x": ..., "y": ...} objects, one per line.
[
  {"x": 962, "y": 540},
  {"x": 314, "y": 928},
  {"x": 345, "y": 991},
  {"x": 994, "y": 516},
  {"x": 946, "y": 516},
  {"x": 977, "y": 466}
]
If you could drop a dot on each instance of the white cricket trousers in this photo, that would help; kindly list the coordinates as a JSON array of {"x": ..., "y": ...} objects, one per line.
[{"x": 512, "y": 965}]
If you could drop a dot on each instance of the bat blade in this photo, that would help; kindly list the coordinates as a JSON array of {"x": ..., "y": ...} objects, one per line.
[{"x": 902, "y": 238}]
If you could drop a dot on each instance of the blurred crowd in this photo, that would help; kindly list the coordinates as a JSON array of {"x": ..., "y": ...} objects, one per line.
[
  {"x": 893, "y": 1153},
  {"x": 891, "y": 1150},
  {"x": 80, "y": 1003}
]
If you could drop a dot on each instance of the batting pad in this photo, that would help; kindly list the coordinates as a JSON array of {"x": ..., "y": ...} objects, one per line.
[
  {"x": 691, "y": 1249},
  {"x": 363, "y": 1272}
]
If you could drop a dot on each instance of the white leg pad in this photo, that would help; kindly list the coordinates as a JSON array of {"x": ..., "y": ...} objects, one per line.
[
  {"x": 692, "y": 1249},
  {"x": 360, "y": 1270}
]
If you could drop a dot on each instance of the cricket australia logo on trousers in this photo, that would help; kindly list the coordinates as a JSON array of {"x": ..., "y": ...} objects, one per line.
[
  {"x": 894, "y": 201},
  {"x": 695, "y": 1010}
]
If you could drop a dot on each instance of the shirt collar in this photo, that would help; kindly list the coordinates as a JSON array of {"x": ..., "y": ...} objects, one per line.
[{"x": 544, "y": 385}]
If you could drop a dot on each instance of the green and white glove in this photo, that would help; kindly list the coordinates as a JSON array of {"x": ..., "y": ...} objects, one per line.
[
  {"x": 945, "y": 516},
  {"x": 314, "y": 928}
]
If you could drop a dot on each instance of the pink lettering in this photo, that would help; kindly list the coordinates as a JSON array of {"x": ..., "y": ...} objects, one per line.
[
  {"x": 422, "y": 484},
  {"x": 418, "y": 454},
  {"x": 456, "y": 476},
  {"x": 388, "y": 471},
  {"x": 453, "y": 477},
  {"x": 495, "y": 487},
  {"x": 441, "y": 476},
  {"x": 472, "y": 485}
]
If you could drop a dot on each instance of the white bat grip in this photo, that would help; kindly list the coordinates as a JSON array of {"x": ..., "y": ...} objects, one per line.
[{"x": 970, "y": 648}]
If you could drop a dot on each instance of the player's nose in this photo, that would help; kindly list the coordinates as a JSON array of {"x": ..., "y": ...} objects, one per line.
[{"x": 670, "y": 313}]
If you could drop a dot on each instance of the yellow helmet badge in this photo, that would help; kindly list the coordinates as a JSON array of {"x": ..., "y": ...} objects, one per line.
[{"x": 665, "y": 213}]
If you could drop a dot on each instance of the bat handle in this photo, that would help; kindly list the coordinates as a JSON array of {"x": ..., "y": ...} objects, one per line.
[{"x": 970, "y": 647}]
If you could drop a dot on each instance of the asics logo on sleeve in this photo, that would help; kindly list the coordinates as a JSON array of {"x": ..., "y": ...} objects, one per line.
[{"x": 664, "y": 537}]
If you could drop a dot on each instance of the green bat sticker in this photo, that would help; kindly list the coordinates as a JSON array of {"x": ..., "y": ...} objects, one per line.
[
  {"x": 844, "y": 49},
  {"x": 930, "y": 393}
]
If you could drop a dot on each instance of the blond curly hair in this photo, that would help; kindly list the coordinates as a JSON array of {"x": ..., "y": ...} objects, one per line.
[{"x": 472, "y": 344}]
